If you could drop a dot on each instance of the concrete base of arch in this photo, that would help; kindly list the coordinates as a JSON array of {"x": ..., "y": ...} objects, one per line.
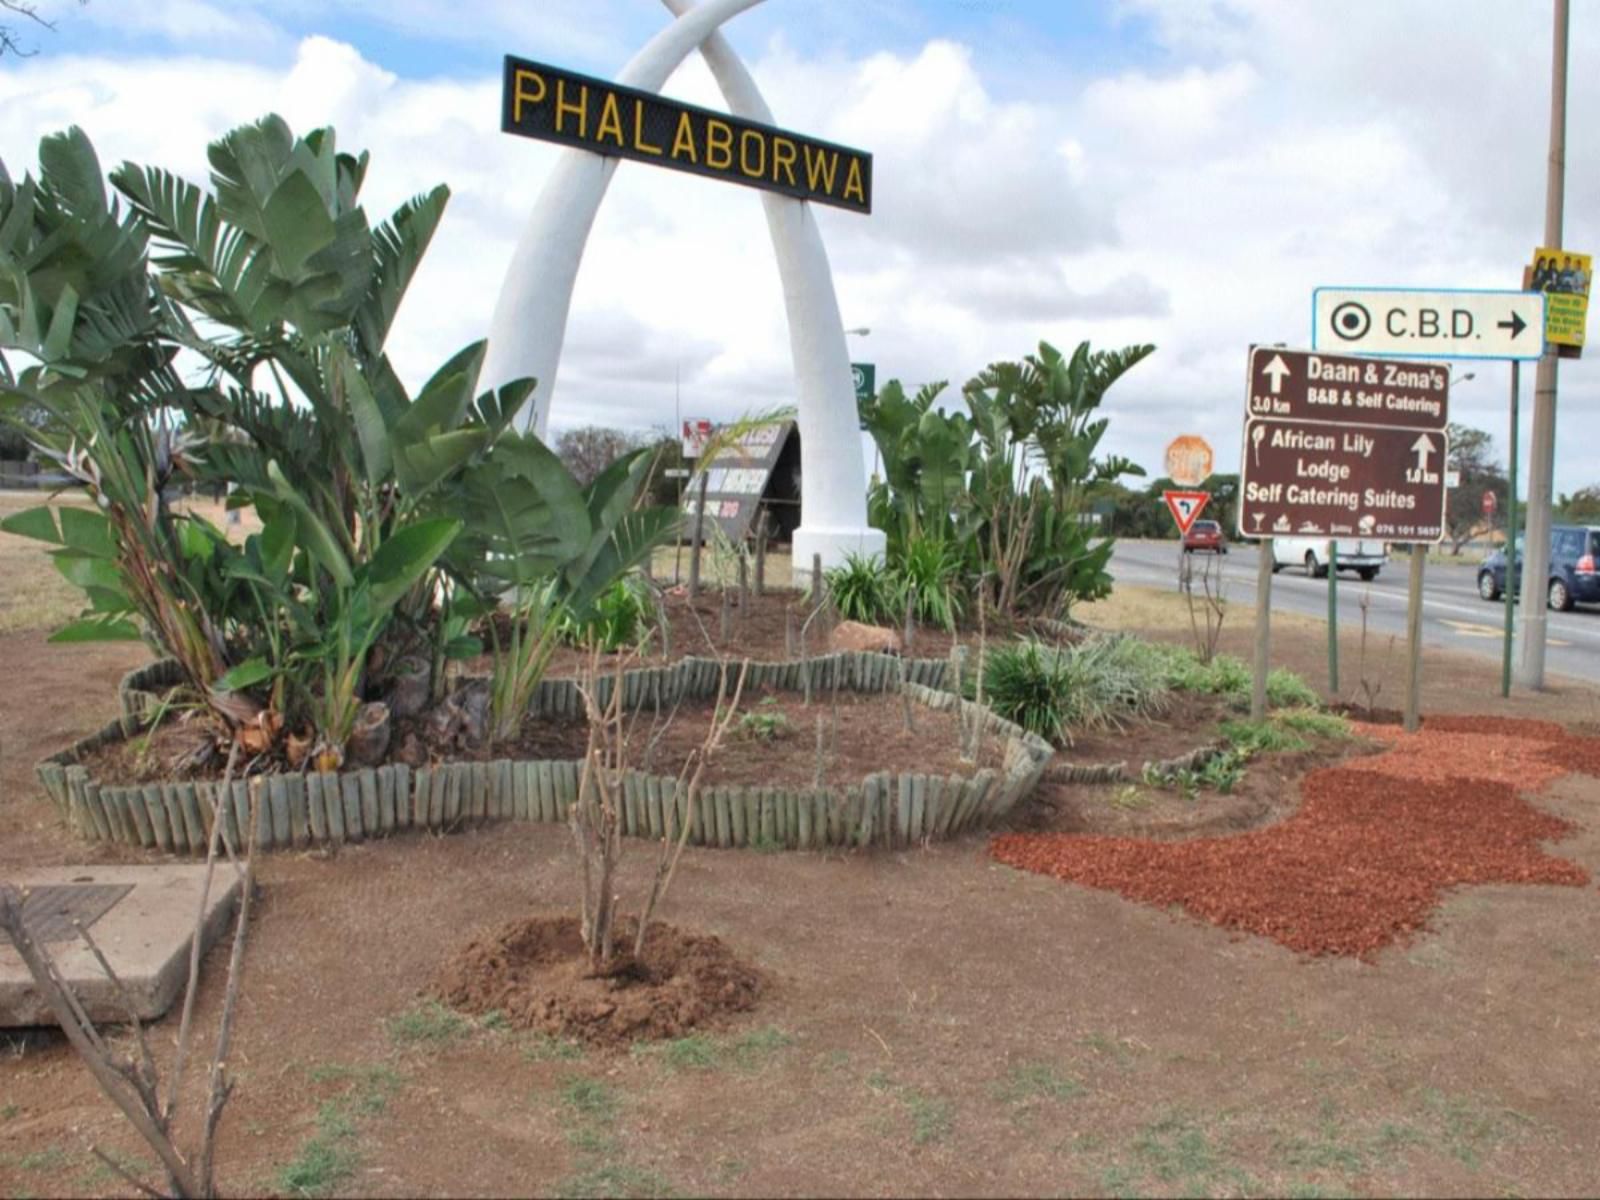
[{"x": 835, "y": 545}]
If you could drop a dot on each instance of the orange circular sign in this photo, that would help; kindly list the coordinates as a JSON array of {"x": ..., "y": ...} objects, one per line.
[{"x": 1189, "y": 460}]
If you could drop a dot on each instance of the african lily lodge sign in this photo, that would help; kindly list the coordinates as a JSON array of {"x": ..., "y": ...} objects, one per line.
[{"x": 553, "y": 105}]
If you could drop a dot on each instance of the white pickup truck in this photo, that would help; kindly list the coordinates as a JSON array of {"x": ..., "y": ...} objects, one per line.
[{"x": 1364, "y": 558}]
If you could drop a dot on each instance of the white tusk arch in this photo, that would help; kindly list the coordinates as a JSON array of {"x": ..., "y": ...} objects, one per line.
[
  {"x": 530, "y": 316},
  {"x": 834, "y": 516}
]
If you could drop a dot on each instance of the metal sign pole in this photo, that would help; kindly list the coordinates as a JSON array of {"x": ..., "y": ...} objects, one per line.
[
  {"x": 1258, "y": 690},
  {"x": 1511, "y": 533},
  {"x": 1333, "y": 617},
  {"x": 1419, "y": 559}
]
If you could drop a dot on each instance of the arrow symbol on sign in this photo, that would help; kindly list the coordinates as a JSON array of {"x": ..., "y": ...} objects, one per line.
[
  {"x": 1423, "y": 449},
  {"x": 1516, "y": 324},
  {"x": 1275, "y": 371}
]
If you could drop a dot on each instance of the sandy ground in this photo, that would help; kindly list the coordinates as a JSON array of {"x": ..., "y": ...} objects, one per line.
[{"x": 939, "y": 1024}]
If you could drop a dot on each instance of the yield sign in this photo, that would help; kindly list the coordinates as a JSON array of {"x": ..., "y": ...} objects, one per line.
[{"x": 1185, "y": 507}]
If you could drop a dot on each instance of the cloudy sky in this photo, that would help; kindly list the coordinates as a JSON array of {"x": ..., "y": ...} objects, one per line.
[{"x": 1182, "y": 172}]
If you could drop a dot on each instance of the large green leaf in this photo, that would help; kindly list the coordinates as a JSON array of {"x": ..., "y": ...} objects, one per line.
[
  {"x": 87, "y": 531},
  {"x": 245, "y": 675},
  {"x": 445, "y": 399},
  {"x": 97, "y": 631},
  {"x": 406, "y": 556},
  {"x": 36, "y": 523},
  {"x": 422, "y": 465},
  {"x": 314, "y": 534},
  {"x": 86, "y": 571},
  {"x": 371, "y": 429},
  {"x": 245, "y": 166},
  {"x": 71, "y": 170},
  {"x": 400, "y": 244}
]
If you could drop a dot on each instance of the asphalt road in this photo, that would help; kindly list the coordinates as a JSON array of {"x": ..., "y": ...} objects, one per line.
[{"x": 1453, "y": 616}]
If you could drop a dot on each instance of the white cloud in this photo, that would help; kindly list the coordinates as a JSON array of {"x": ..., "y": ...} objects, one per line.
[{"x": 1194, "y": 202}]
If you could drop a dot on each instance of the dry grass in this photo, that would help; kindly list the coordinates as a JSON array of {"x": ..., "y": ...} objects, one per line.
[
  {"x": 718, "y": 568},
  {"x": 1145, "y": 608},
  {"x": 33, "y": 595}
]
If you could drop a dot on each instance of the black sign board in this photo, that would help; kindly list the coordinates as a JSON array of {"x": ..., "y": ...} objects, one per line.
[
  {"x": 737, "y": 479},
  {"x": 554, "y": 105},
  {"x": 1336, "y": 446}
]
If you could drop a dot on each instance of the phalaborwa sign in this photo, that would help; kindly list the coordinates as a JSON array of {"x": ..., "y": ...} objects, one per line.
[{"x": 554, "y": 105}]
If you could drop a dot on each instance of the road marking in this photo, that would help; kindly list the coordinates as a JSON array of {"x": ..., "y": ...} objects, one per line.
[{"x": 1161, "y": 573}]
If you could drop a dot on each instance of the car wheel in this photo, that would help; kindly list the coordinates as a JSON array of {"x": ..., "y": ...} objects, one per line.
[
  {"x": 1487, "y": 587},
  {"x": 1560, "y": 597},
  {"x": 1368, "y": 574},
  {"x": 1276, "y": 567},
  {"x": 1313, "y": 570}
]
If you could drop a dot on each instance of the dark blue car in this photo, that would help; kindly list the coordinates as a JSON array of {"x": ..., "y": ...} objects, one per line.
[{"x": 1574, "y": 576}]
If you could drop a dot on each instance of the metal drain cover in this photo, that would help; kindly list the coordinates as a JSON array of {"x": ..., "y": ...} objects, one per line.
[{"x": 50, "y": 909}]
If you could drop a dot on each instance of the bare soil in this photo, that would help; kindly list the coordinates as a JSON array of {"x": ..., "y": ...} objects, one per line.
[
  {"x": 759, "y": 633},
  {"x": 772, "y": 744},
  {"x": 536, "y": 974},
  {"x": 1268, "y": 792},
  {"x": 938, "y": 1023}
]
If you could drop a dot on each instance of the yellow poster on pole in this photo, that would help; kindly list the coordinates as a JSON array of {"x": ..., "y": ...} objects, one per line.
[{"x": 1564, "y": 278}]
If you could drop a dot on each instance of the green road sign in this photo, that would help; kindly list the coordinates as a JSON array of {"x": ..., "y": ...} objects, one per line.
[{"x": 866, "y": 377}]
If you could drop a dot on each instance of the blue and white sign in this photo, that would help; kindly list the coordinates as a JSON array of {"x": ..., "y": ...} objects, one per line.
[{"x": 1438, "y": 323}]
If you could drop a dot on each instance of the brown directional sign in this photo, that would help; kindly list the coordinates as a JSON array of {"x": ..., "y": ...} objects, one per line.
[
  {"x": 1298, "y": 385},
  {"x": 1336, "y": 446}
]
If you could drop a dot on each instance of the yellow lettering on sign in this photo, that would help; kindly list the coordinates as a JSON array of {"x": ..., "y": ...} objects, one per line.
[
  {"x": 822, "y": 168},
  {"x": 783, "y": 156},
  {"x": 852, "y": 182},
  {"x": 519, "y": 96},
  {"x": 610, "y": 120},
  {"x": 747, "y": 137},
  {"x": 719, "y": 144},
  {"x": 638, "y": 131},
  {"x": 684, "y": 139},
  {"x": 580, "y": 109}
]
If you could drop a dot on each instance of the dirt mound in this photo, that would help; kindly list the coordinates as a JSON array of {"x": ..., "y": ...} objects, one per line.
[
  {"x": 1369, "y": 854},
  {"x": 536, "y": 973}
]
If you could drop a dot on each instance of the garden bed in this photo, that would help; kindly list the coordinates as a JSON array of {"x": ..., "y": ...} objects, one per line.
[
  {"x": 1370, "y": 852},
  {"x": 877, "y": 806}
]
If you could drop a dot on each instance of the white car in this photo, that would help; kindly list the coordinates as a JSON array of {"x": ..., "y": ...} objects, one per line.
[{"x": 1364, "y": 558}]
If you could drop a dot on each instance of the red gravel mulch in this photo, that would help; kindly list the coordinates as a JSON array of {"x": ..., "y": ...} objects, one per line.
[{"x": 1374, "y": 845}]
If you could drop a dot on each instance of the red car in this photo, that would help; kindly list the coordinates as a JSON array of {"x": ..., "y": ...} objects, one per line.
[{"x": 1204, "y": 535}]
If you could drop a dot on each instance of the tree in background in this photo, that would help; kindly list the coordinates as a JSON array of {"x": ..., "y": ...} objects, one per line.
[
  {"x": 14, "y": 443},
  {"x": 12, "y": 39},
  {"x": 1582, "y": 505},
  {"x": 590, "y": 449},
  {"x": 1470, "y": 456},
  {"x": 1144, "y": 514}
]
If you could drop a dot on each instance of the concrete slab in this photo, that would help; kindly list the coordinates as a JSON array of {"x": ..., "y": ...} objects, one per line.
[{"x": 140, "y": 917}]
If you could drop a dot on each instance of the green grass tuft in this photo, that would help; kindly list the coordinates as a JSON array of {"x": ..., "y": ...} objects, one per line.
[
  {"x": 1036, "y": 1081},
  {"x": 589, "y": 1099},
  {"x": 428, "y": 1023}
]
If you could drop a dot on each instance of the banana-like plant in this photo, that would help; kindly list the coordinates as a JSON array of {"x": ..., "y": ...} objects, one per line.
[
  {"x": 77, "y": 298},
  {"x": 546, "y": 549}
]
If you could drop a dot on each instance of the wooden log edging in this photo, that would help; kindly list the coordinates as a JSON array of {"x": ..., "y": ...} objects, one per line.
[{"x": 299, "y": 810}]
